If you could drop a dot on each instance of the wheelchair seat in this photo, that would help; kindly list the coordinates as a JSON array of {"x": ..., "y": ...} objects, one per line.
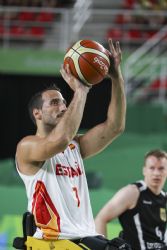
[{"x": 27, "y": 242}]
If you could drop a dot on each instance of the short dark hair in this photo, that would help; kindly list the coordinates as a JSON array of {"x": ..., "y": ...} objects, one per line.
[
  {"x": 36, "y": 101},
  {"x": 158, "y": 153}
]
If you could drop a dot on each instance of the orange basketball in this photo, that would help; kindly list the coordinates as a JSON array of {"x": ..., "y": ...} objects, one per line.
[{"x": 88, "y": 61}]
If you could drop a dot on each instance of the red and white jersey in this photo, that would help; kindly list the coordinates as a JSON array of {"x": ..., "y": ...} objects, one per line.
[{"x": 58, "y": 197}]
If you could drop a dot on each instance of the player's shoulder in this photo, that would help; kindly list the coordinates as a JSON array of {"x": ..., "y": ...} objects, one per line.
[
  {"x": 132, "y": 189},
  {"x": 131, "y": 193},
  {"x": 27, "y": 140}
]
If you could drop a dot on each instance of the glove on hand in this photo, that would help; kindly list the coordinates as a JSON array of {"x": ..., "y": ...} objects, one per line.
[{"x": 118, "y": 244}]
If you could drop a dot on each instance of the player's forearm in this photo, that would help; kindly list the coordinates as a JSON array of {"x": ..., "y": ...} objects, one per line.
[
  {"x": 70, "y": 122},
  {"x": 117, "y": 108}
]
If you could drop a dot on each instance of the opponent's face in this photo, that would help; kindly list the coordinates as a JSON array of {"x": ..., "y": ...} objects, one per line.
[
  {"x": 53, "y": 108},
  {"x": 155, "y": 172}
]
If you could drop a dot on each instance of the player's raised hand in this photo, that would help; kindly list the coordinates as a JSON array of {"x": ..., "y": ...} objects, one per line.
[{"x": 115, "y": 58}]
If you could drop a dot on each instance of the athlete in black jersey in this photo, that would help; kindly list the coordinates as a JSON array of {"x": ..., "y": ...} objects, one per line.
[{"x": 141, "y": 206}]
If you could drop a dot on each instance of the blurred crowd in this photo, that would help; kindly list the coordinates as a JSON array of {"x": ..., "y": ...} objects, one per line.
[
  {"x": 126, "y": 27},
  {"x": 146, "y": 4},
  {"x": 37, "y": 3},
  {"x": 154, "y": 4},
  {"x": 138, "y": 27}
]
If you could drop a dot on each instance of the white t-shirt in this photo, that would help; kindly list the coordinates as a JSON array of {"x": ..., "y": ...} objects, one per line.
[{"x": 58, "y": 197}]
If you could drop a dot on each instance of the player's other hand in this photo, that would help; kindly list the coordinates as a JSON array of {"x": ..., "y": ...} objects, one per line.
[{"x": 73, "y": 82}]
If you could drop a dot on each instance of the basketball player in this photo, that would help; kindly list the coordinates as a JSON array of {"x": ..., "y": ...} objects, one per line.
[
  {"x": 141, "y": 206},
  {"x": 50, "y": 162}
]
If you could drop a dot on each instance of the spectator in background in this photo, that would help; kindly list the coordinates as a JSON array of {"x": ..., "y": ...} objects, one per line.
[{"x": 141, "y": 206}]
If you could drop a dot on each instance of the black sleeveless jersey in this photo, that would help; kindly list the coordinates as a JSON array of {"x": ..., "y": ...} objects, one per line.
[{"x": 144, "y": 226}]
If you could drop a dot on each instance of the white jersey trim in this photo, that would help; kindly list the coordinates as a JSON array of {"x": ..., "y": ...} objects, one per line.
[{"x": 139, "y": 231}]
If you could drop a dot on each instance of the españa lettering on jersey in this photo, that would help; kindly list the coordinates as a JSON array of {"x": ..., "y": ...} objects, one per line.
[{"x": 68, "y": 171}]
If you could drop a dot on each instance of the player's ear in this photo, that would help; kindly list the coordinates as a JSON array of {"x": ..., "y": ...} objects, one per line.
[
  {"x": 37, "y": 114},
  {"x": 144, "y": 170}
]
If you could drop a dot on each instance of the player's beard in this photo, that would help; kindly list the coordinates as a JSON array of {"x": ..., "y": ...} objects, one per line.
[{"x": 52, "y": 122}]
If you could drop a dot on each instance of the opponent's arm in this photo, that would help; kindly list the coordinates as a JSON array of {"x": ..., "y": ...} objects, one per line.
[
  {"x": 97, "y": 138},
  {"x": 126, "y": 198}
]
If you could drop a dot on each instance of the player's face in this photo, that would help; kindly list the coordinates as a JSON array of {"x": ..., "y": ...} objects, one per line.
[
  {"x": 53, "y": 108},
  {"x": 155, "y": 172}
]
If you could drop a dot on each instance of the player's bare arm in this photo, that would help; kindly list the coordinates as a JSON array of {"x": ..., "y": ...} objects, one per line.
[
  {"x": 97, "y": 138},
  {"x": 126, "y": 198},
  {"x": 33, "y": 150}
]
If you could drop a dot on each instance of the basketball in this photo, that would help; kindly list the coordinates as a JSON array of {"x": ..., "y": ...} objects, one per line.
[{"x": 88, "y": 61}]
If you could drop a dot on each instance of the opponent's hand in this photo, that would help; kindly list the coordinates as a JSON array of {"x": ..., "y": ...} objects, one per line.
[
  {"x": 73, "y": 82},
  {"x": 115, "y": 56},
  {"x": 119, "y": 244}
]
